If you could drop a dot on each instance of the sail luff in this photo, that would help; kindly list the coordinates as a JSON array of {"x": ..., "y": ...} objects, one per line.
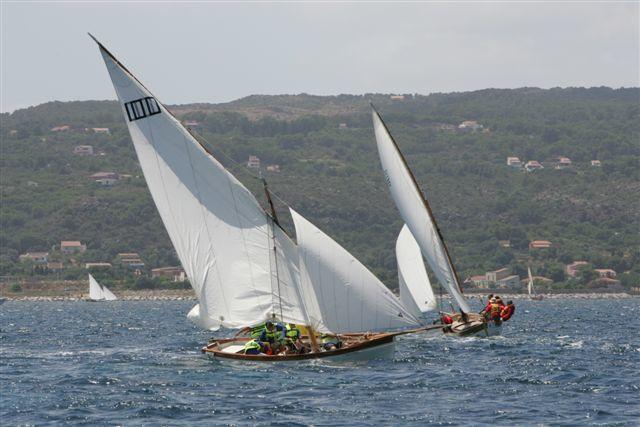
[
  {"x": 416, "y": 211},
  {"x": 530, "y": 286}
]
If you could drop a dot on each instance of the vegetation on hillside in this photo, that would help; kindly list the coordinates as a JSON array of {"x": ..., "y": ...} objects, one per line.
[{"x": 331, "y": 174}]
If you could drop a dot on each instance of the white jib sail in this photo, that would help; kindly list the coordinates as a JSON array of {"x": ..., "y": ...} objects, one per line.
[
  {"x": 416, "y": 293},
  {"x": 98, "y": 291},
  {"x": 413, "y": 209},
  {"x": 349, "y": 296},
  {"x": 530, "y": 285},
  {"x": 218, "y": 229}
]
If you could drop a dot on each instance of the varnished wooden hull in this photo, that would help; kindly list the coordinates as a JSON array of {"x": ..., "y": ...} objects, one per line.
[{"x": 376, "y": 346}]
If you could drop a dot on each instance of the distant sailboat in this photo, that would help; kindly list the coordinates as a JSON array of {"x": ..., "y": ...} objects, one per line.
[
  {"x": 421, "y": 224},
  {"x": 530, "y": 290},
  {"x": 98, "y": 292},
  {"x": 243, "y": 267}
]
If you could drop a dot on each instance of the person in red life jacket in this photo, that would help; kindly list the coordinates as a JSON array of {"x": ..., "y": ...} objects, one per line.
[
  {"x": 508, "y": 311},
  {"x": 487, "y": 307},
  {"x": 494, "y": 310},
  {"x": 446, "y": 319}
]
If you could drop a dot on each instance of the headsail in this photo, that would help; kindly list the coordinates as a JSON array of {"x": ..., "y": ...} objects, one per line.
[
  {"x": 415, "y": 211},
  {"x": 416, "y": 293},
  {"x": 99, "y": 292},
  {"x": 349, "y": 296},
  {"x": 218, "y": 229},
  {"x": 530, "y": 285}
]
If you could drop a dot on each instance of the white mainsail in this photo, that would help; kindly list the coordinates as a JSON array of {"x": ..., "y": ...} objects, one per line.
[
  {"x": 530, "y": 285},
  {"x": 222, "y": 236},
  {"x": 416, "y": 293},
  {"x": 349, "y": 296},
  {"x": 415, "y": 211},
  {"x": 99, "y": 292}
]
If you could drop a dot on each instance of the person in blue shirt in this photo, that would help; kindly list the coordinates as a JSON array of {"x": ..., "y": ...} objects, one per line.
[{"x": 273, "y": 335}]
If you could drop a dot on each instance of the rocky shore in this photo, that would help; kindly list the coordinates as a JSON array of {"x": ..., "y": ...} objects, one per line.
[{"x": 187, "y": 295}]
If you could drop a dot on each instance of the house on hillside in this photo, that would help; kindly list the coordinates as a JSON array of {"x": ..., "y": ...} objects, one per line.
[
  {"x": 105, "y": 178},
  {"x": 131, "y": 260},
  {"x": 563, "y": 163},
  {"x": 514, "y": 162},
  {"x": 494, "y": 276},
  {"x": 470, "y": 126},
  {"x": 83, "y": 150},
  {"x": 55, "y": 266},
  {"x": 39, "y": 258},
  {"x": 97, "y": 265},
  {"x": 511, "y": 281},
  {"x": 533, "y": 165},
  {"x": 13, "y": 132},
  {"x": 62, "y": 128},
  {"x": 101, "y": 130},
  {"x": 273, "y": 168},
  {"x": 175, "y": 274},
  {"x": 504, "y": 243},
  {"x": 608, "y": 283},
  {"x": 191, "y": 123},
  {"x": 540, "y": 244},
  {"x": 254, "y": 162},
  {"x": 397, "y": 97},
  {"x": 342, "y": 126},
  {"x": 572, "y": 269},
  {"x": 479, "y": 281},
  {"x": 69, "y": 247},
  {"x": 605, "y": 273},
  {"x": 596, "y": 163}
]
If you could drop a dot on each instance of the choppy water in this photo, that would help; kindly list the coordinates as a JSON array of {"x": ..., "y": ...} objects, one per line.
[{"x": 560, "y": 362}]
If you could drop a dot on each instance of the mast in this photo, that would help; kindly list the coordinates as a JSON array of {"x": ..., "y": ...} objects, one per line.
[{"x": 425, "y": 202}]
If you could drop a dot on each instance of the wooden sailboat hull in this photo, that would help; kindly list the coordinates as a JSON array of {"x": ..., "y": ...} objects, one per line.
[{"x": 364, "y": 348}]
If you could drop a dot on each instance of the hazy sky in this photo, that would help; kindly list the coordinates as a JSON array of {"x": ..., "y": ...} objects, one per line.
[{"x": 215, "y": 52}]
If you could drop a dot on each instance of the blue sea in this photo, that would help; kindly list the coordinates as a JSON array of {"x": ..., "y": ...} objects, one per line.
[{"x": 558, "y": 362}]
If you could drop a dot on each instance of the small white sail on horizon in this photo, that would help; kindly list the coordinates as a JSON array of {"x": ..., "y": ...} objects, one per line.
[
  {"x": 415, "y": 212},
  {"x": 98, "y": 292},
  {"x": 416, "y": 293},
  {"x": 530, "y": 284}
]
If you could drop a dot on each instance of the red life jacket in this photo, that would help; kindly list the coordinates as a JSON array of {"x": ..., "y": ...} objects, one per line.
[
  {"x": 507, "y": 312},
  {"x": 447, "y": 320}
]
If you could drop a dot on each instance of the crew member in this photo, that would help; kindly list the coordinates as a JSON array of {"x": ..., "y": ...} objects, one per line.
[
  {"x": 330, "y": 342},
  {"x": 273, "y": 335},
  {"x": 494, "y": 310},
  {"x": 508, "y": 311},
  {"x": 292, "y": 339},
  {"x": 252, "y": 347},
  {"x": 487, "y": 307}
]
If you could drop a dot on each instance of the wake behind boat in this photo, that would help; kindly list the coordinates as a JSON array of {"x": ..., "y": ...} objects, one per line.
[{"x": 244, "y": 267}]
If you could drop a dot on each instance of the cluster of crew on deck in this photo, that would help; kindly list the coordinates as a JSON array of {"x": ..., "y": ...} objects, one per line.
[
  {"x": 272, "y": 339},
  {"x": 496, "y": 310}
]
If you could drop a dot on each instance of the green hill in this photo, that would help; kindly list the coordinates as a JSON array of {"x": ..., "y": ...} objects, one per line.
[{"x": 331, "y": 174}]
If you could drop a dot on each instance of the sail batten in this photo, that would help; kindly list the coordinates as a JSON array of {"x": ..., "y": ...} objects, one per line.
[{"x": 415, "y": 211}]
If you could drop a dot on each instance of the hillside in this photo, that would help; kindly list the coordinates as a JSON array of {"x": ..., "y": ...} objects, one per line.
[{"x": 329, "y": 171}]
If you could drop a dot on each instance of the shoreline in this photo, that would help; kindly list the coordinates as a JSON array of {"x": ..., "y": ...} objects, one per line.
[{"x": 172, "y": 295}]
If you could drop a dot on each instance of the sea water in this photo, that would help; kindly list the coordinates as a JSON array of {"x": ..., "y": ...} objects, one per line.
[{"x": 558, "y": 362}]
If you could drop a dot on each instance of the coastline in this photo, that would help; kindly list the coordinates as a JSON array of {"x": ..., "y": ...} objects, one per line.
[{"x": 188, "y": 295}]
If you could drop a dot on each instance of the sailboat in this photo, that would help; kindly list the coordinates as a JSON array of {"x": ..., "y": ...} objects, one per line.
[
  {"x": 421, "y": 224},
  {"x": 98, "y": 292},
  {"x": 530, "y": 290},
  {"x": 243, "y": 266}
]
